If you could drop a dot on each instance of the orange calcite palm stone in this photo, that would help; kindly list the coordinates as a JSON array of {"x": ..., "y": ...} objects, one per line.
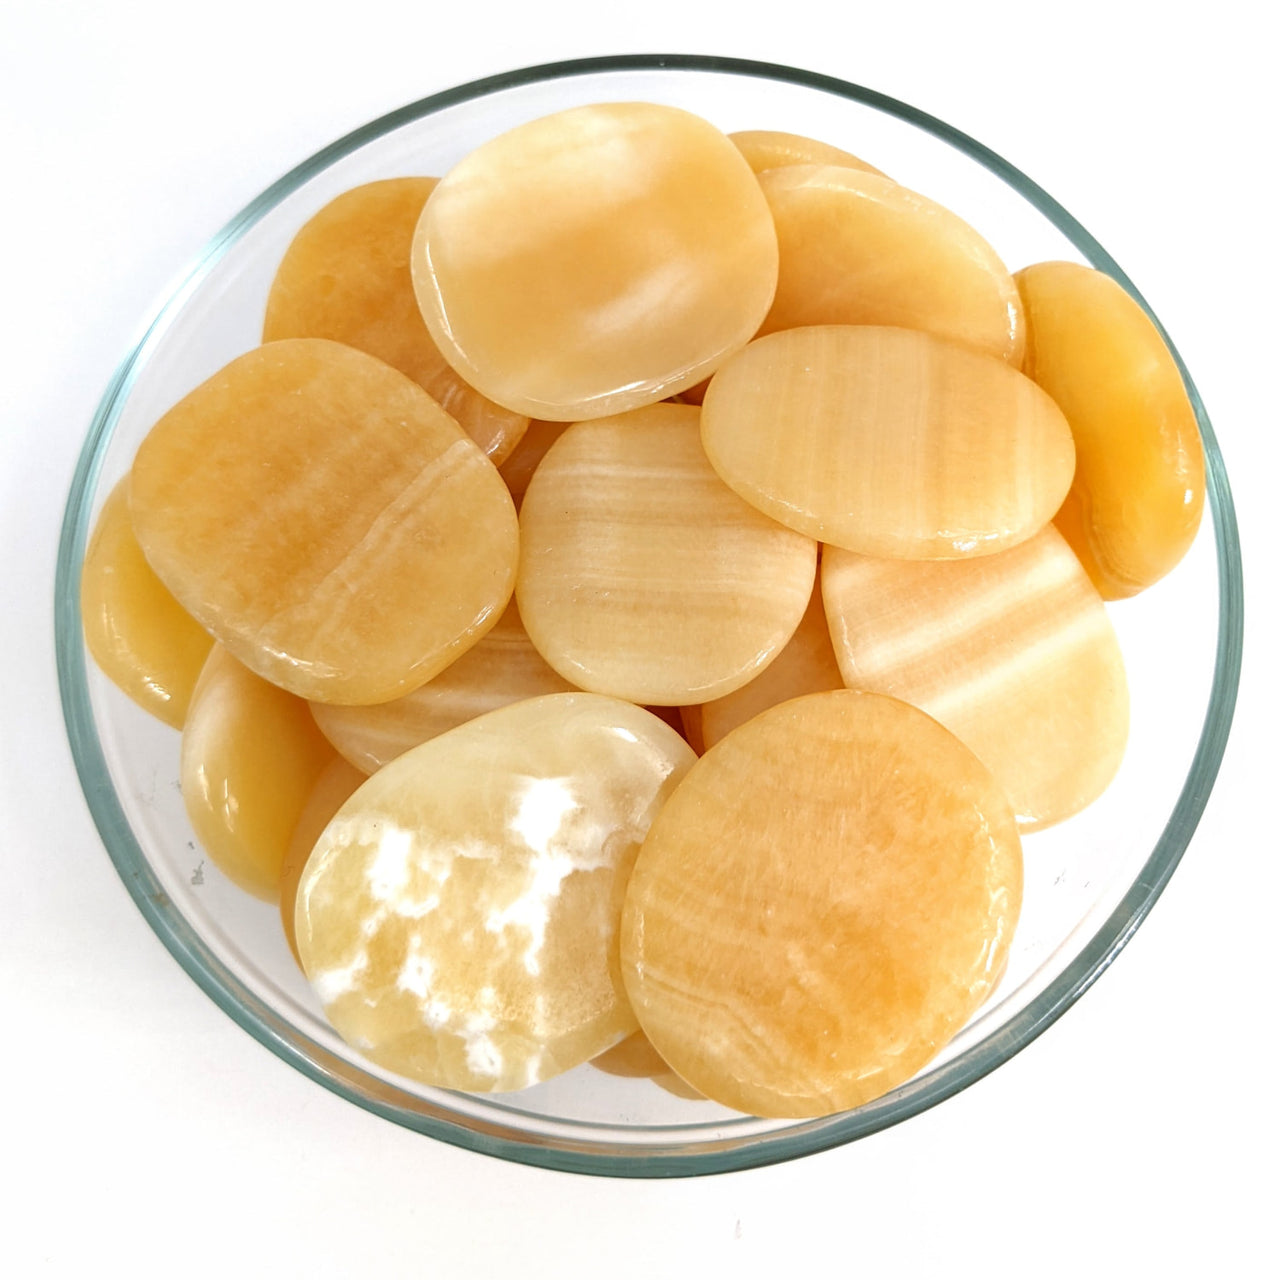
[
  {"x": 857, "y": 248},
  {"x": 143, "y": 639},
  {"x": 251, "y": 755},
  {"x": 1135, "y": 505},
  {"x": 806, "y": 665},
  {"x": 642, "y": 575},
  {"x": 1014, "y": 653},
  {"x": 336, "y": 785},
  {"x": 501, "y": 668},
  {"x": 635, "y": 1058},
  {"x": 326, "y": 520},
  {"x": 770, "y": 149},
  {"x": 888, "y": 441},
  {"x": 346, "y": 277},
  {"x": 595, "y": 260},
  {"x": 820, "y": 906},
  {"x": 458, "y": 918}
]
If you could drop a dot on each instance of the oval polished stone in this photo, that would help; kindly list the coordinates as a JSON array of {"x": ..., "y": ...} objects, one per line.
[
  {"x": 501, "y": 668},
  {"x": 345, "y": 276},
  {"x": 251, "y": 755},
  {"x": 642, "y": 575},
  {"x": 1138, "y": 493},
  {"x": 326, "y": 520},
  {"x": 857, "y": 248},
  {"x": 595, "y": 260},
  {"x": 807, "y": 664},
  {"x": 820, "y": 906},
  {"x": 888, "y": 441},
  {"x": 771, "y": 149},
  {"x": 146, "y": 643},
  {"x": 1014, "y": 653},
  {"x": 458, "y": 918}
]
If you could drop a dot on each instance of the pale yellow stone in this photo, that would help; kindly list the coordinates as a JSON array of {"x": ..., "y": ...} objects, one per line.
[
  {"x": 1138, "y": 494},
  {"x": 1014, "y": 653},
  {"x": 326, "y": 520},
  {"x": 820, "y": 906},
  {"x": 888, "y": 441},
  {"x": 642, "y": 575},
  {"x": 501, "y": 668},
  {"x": 251, "y": 755},
  {"x": 345, "y": 276},
  {"x": 771, "y": 149},
  {"x": 807, "y": 664},
  {"x": 458, "y": 918},
  {"x": 595, "y": 260},
  {"x": 857, "y": 248},
  {"x": 146, "y": 643}
]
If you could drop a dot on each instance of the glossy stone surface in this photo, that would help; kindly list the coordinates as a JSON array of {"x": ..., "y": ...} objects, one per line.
[
  {"x": 146, "y": 643},
  {"x": 771, "y": 149},
  {"x": 642, "y": 575},
  {"x": 857, "y": 248},
  {"x": 1138, "y": 494},
  {"x": 820, "y": 906},
  {"x": 251, "y": 755},
  {"x": 336, "y": 785},
  {"x": 326, "y": 520},
  {"x": 345, "y": 276},
  {"x": 501, "y": 668},
  {"x": 595, "y": 260},
  {"x": 888, "y": 441},
  {"x": 807, "y": 664},
  {"x": 1014, "y": 653},
  {"x": 459, "y": 916}
]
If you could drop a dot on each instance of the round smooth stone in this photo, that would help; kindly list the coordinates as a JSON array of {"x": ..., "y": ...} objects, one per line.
[
  {"x": 642, "y": 575},
  {"x": 500, "y": 668},
  {"x": 345, "y": 276},
  {"x": 1138, "y": 493},
  {"x": 1014, "y": 653},
  {"x": 326, "y": 520},
  {"x": 888, "y": 441},
  {"x": 857, "y": 248},
  {"x": 458, "y": 918},
  {"x": 635, "y": 1058},
  {"x": 770, "y": 149},
  {"x": 146, "y": 643},
  {"x": 251, "y": 755},
  {"x": 595, "y": 260},
  {"x": 820, "y": 906},
  {"x": 807, "y": 664}
]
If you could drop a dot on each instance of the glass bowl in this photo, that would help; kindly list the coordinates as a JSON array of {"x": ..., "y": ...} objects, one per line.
[{"x": 1090, "y": 881}]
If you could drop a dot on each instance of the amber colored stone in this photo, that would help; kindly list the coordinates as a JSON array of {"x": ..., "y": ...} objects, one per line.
[
  {"x": 691, "y": 725},
  {"x": 333, "y": 788},
  {"x": 595, "y": 260},
  {"x": 251, "y": 755},
  {"x": 146, "y": 643},
  {"x": 518, "y": 469},
  {"x": 458, "y": 918},
  {"x": 769, "y": 149},
  {"x": 807, "y": 664},
  {"x": 1014, "y": 653},
  {"x": 857, "y": 248},
  {"x": 1138, "y": 494},
  {"x": 326, "y": 520},
  {"x": 345, "y": 276},
  {"x": 820, "y": 906},
  {"x": 635, "y": 1058},
  {"x": 642, "y": 575},
  {"x": 502, "y": 667},
  {"x": 888, "y": 441}
]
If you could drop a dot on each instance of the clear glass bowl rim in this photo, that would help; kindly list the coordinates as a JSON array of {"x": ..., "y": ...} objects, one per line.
[{"x": 588, "y": 1154}]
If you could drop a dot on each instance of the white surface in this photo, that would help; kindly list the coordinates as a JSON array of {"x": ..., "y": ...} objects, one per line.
[{"x": 143, "y": 1127}]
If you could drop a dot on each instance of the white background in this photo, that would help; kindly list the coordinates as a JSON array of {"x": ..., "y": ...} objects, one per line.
[{"x": 142, "y": 1128}]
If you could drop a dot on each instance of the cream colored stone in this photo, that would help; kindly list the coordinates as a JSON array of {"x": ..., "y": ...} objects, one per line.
[{"x": 771, "y": 149}]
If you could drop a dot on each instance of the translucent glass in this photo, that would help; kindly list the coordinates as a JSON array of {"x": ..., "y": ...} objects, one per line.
[{"x": 1089, "y": 882}]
